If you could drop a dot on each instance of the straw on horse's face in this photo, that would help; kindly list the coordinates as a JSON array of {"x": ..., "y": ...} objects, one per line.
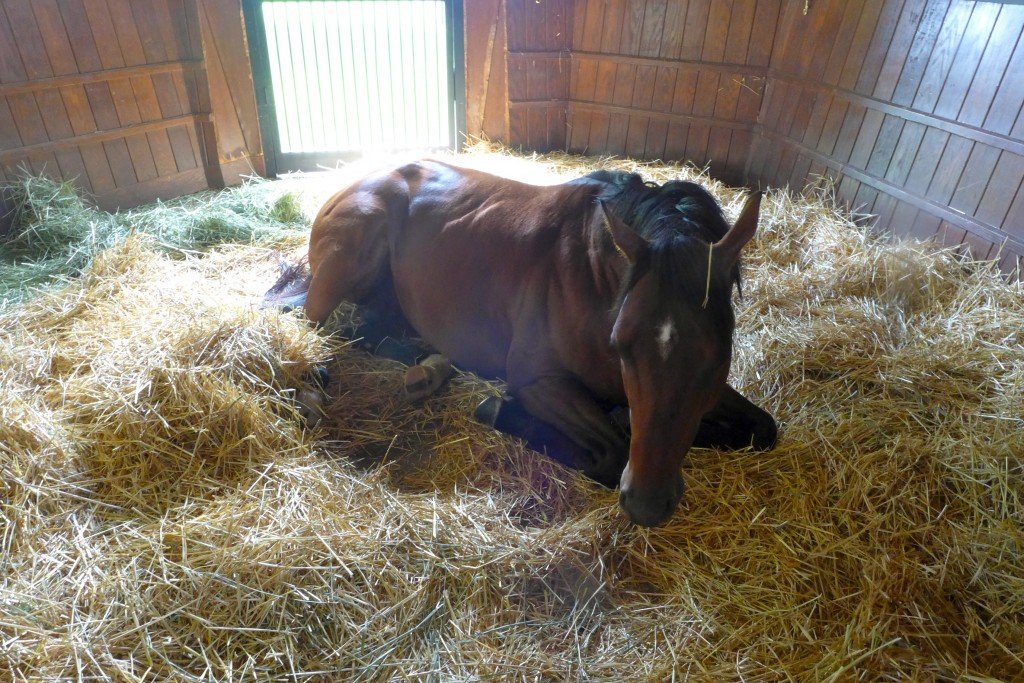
[{"x": 673, "y": 335}]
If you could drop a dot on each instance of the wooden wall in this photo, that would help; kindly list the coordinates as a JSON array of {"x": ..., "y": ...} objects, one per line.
[
  {"x": 116, "y": 94},
  {"x": 232, "y": 98},
  {"x": 538, "y": 62},
  {"x": 913, "y": 106},
  {"x": 670, "y": 79},
  {"x": 486, "y": 71}
]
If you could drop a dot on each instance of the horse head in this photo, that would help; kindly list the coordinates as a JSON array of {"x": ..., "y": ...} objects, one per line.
[{"x": 673, "y": 335}]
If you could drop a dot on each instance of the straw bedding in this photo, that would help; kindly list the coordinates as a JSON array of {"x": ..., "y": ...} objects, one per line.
[{"x": 164, "y": 517}]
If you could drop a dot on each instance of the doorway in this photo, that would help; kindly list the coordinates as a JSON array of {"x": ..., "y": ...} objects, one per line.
[{"x": 337, "y": 79}]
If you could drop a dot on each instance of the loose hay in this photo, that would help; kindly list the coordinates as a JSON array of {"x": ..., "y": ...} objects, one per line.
[
  {"x": 57, "y": 233},
  {"x": 164, "y": 518}
]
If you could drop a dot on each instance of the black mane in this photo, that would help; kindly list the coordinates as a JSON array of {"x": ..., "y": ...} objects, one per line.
[
  {"x": 657, "y": 212},
  {"x": 679, "y": 220}
]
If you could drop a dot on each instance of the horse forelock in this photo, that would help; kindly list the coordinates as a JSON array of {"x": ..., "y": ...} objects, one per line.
[
  {"x": 679, "y": 220},
  {"x": 655, "y": 211}
]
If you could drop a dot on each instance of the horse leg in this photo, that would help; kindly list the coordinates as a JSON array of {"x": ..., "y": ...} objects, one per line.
[
  {"x": 309, "y": 403},
  {"x": 343, "y": 276},
  {"x": 385, "y": 332},
  {"x": 600, "y": 448},
  {"x": 349, "y": 264},
  {"x": 736, "y": 423},
  {"x": 507, "y": 415}
]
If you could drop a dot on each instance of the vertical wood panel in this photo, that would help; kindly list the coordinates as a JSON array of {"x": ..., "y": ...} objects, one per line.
[
  {"x": 12, "y": 69},
  {"x": 954, "y": 89},
  {"x": 899, "y": 48},
  {"x": 982, "y": 88},
  {"x": 101, "y": 25},
  {"x": 486, "y": 89},
  {"x": 917, "y": 112},
  {"x": 941, "y": 58},
  {"x": 29, "y": 40},
  {"x": 9, "y": 137},
  {"x": 701, "y": 32},
  {"x": 919, "y": 52},
  {"x": 134, "y": 159},
  {"x": 55, "y": 37}
]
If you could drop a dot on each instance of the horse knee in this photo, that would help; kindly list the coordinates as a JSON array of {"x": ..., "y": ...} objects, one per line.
[{"x": 600, "y": 462}]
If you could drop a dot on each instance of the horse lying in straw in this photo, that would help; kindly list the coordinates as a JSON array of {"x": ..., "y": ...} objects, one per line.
[{"x": 601, "y": 293}]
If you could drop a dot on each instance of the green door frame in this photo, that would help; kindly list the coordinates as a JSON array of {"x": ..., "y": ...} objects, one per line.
[{"x": 259, "y": 55}]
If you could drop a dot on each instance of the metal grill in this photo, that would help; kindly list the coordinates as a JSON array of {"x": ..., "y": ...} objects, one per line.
[{"x": 337, "y": 78}]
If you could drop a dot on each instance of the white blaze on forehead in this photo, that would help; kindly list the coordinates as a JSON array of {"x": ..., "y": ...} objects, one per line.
[{"x": 666, "y": 337}]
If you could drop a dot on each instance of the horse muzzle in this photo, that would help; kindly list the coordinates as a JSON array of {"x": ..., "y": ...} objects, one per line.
[{"x": 649, "y": 506}]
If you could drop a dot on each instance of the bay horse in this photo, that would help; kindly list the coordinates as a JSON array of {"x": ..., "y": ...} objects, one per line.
[{"x": 603, "y": 291}]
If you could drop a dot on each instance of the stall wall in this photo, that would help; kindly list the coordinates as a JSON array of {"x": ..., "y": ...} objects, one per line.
[
  {"x": 133, "y": 100},
  {"x": 539, "y": 64},
  {"x": 670, "y": 79},
  {"x": 913, "y": 107},
  {"x": 486, "y": 42}
]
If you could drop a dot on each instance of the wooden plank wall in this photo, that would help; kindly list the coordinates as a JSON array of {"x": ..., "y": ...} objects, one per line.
[
  {"x": 538, "y": 63},
  {"x": 114, "y": 94},
  {"x": 913, "y": 106},
  {"x": 670, "y": 79},
  {"x": 232, "y": 98},
  {"x": 486, "y": 70}
]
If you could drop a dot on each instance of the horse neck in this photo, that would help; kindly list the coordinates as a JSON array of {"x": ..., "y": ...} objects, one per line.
[{"x": 607, "y": 266}]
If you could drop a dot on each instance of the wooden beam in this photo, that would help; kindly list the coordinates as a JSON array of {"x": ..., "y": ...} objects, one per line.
[
  {"x": 178, "y": 66},
  {"x": 963, "y": 130},
  {"x": 101, "y": 136},
  {"x": 711, "y": 121},
  {"x": 969, "y": 223}
]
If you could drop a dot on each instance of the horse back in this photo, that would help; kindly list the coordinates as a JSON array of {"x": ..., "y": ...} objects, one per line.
[
  {"x": 483, "y": 260},
  {"x": 474, "y": 259}
]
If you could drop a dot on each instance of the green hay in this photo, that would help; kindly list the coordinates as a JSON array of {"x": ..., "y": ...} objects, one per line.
[{"x": 57, "y": 233}]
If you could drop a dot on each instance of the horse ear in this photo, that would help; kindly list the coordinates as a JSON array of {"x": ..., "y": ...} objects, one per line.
[
  {"x": 626, "y": 239},
  {"x": 741, "y": 231}
]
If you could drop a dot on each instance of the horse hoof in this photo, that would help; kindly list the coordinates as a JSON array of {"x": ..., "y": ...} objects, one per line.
[
  {"x": 766, "y": 435},
  {"x": 321, "y": 376},
  {"x": 309, "y": 405},
  {"x": 426, "y": 378},
  {"x": 605, "y": 469},
  {"x": 488, "y": 410}
]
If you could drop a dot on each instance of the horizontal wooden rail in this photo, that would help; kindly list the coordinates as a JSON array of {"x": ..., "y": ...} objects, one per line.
[
  {"x": 101, "y": 136},
  {"x": 550, "y": 102},
  {"x": 965, "y": 131},
  {"x": 948, "y": 214},
  {"x": 99, "y": 76},
  {"x": 719, "y": 67},
  {"x": 657, "y": 115}
]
